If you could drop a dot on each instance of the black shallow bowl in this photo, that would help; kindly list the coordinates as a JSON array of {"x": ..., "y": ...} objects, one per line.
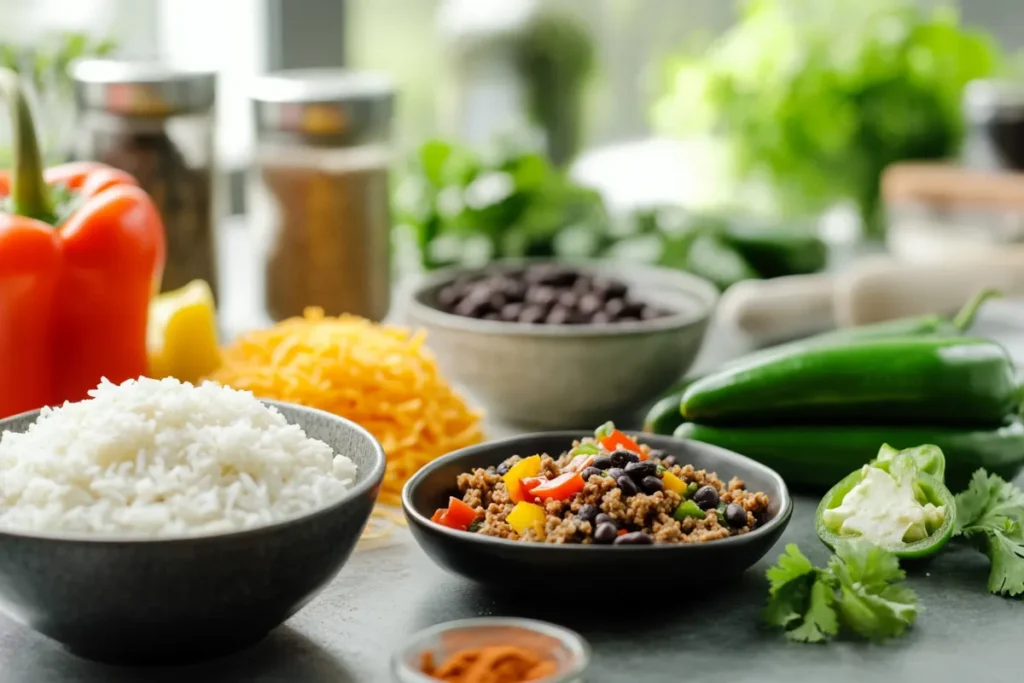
[
  {"x": 180, "y": 600},
  {"x": 500, "y": 563}
]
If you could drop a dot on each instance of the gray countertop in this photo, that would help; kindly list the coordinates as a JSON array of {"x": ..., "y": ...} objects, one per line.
[{"x": 646, "y": 630}]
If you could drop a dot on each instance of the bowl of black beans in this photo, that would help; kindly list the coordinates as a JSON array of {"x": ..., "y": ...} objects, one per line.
[{"x": 561, "y": 344}]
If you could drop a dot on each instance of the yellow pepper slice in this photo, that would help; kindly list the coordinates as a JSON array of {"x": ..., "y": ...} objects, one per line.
[
  {"x": 524, "y": 469},
  {"x": 181, "y": 337},
  {"x": 673, "y": 483},
  {"x": 525, "y": 516}
]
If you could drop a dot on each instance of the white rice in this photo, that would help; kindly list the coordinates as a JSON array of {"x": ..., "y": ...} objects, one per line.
[{"x": 163, "y": 458}]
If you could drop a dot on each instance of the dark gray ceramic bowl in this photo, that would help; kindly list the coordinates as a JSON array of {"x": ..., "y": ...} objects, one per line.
[
  {"x": 570, "y": 376},
  {"x": 174, "y": 601},
  {"x": 500, "y": 563}
]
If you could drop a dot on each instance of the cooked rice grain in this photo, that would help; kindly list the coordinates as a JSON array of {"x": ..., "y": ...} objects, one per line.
[{"x": 164, "y": 458}]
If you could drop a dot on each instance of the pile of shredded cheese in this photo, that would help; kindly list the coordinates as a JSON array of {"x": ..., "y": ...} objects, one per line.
[{"x": 381, "y": 377}]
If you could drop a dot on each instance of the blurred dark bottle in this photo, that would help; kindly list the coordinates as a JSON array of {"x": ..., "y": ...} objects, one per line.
[
  {"x": 994, "y": 116},
  {"x": 157, "y": 123}
]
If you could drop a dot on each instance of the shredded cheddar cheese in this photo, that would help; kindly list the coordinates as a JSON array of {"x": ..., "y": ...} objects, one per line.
[{"x": 380, "y": 376}]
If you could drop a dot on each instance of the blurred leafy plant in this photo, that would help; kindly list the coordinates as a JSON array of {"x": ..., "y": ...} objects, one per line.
[
  {"x": 45, "y": 66},
  {"x": 818, "y": 97},
  {"x": 465, "y": 206}
]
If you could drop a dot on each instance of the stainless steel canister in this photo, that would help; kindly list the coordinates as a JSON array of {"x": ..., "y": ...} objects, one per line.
[
  {"x": 319, "y": 191},
  {"x": 157, "y": 123}
]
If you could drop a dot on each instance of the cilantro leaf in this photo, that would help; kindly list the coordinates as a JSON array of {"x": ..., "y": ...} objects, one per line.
[
  {"x": 792, "y": 564},
  {"x": 820, "y": 621},
  {"x": 987, "y": 501},
  {"x": 869, "y": 603},
  {"x": 801, "y": 599},
  {"x": 990, "y": 513},
  {"x": 858, "y": 590},
  {"x": 1005, "y": 548}
]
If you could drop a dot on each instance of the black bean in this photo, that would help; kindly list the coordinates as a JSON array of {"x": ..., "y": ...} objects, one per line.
[
  {"x": 603, "y": 462},
  {"x": 605, "y": 518},
  {"x": 588, "y": 512},
  {"x": 614, "y": 288},
  {"x": 616, "y": 472},
  {"x": 606, "y": 533},
  {"x": 532, "y": 314},
  {"x": 568, "y": 299},
  {"x": 736, "y": 516},
  {"x": 449, "y": 296},
  {"x": 706, "y": 497},
  {"x": 589, "y": 304},
  {"x": 503, "y": 468},
  {"x": 650, "y": 313},
  {"x": 614, "y": 307},
  {"x": 471, "y": 307},
  {"x": 510, "y": 312},
  {"x": 497, "y": 301},
  {"x": 629, "y": 488},
  {"x": 557, "y": 277},
  {"x": 600, "y": 318},
  {"x": 630, "y": 456},
  {"x": 619, "y": 458},
  {"x": 652, "y": 484},
  {"x": 541, "y": 296},
  {"x": 639, "y": 470},
  {"x": 590, "y": 472},
  {"x": 558, "y": 316},
  {"x": 634, "y": 538}
]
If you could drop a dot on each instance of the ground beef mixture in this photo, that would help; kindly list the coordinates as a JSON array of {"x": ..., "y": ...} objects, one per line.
[{"x": 608, "y": 510}]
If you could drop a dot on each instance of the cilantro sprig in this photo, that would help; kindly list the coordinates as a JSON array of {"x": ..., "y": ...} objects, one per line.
[
  {"x": 858, "y": 591},
  {"x": 989, "y": 516}
]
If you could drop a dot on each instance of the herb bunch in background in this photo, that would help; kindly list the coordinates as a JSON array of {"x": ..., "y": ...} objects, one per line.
[
  {"x": 464, "y": 206},
  {"x": 45, "y": 66},
  {"x": 818, "y": 97}
]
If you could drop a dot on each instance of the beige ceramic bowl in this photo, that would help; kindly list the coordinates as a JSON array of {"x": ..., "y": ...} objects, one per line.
[{"x": 570, "y": 376}]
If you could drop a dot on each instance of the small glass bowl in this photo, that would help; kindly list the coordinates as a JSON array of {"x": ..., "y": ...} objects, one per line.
[{"x": 565, "y": 647}]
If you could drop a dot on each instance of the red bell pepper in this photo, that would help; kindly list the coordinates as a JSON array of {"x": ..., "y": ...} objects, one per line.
[
  {"x": 611, "y": 439},
  {"x": 457, "y": 515},
  {"x": 81, "y": 254},
  {"x": 526, "y": 487},
  {"x": 562, "y": 487}
]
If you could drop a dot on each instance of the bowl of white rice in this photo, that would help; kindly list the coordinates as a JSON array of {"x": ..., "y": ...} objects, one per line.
[{"x": 160, "y": 522}]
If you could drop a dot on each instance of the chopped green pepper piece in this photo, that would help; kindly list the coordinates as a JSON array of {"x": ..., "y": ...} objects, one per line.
[
  {"x": 690, "y": 490},
  {"x": 688, "y": 509},
  {"x": 604, "y": 430},
  {"x": 585, "y": 449},
  {"x": 475, "y": 525}
]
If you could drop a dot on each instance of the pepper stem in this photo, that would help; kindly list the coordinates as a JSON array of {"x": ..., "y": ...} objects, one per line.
[
  {"x": 29, "y": 194},
  {"x": 965, "y": 318}
]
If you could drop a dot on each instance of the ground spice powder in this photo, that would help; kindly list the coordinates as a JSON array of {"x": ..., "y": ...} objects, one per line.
[{"x": 492, "y": 664}]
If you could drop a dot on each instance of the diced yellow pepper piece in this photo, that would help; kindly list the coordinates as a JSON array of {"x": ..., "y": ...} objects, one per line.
[
  {"x": 181, "y": 337},
  {"x": 525, "y": 516},
  {"x": 524, "y": 469},
  {"x": 673, "y": 483}
]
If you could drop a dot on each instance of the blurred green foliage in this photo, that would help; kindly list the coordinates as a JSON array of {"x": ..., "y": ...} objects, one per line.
[
  {"x": 465, "y": 206},
  {"x": 44, "y": 65},
  {"x": 818, "y": 96}
]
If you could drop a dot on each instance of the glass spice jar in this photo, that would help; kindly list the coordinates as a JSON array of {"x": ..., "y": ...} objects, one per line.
[
  {"x": 319, "y": 191},
  {"x": 157, "y": 123}
]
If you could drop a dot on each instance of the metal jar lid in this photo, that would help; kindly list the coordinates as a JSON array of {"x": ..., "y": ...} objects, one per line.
[
  {"x": 141, "y": 88},
  {"x": 988, "y": 100},
  {"x": 327, "y": 107}
]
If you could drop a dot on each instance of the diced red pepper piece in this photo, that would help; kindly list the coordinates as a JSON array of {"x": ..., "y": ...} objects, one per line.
[
  {"x": 619, "y": 440},
  {"x": 561, "y": 487},
  {"x": 622, "y": 532},
  {"x": 438, "y": 517},
  {"x": 459, "y": 515},
  {"x": 526, "y": 487}
]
